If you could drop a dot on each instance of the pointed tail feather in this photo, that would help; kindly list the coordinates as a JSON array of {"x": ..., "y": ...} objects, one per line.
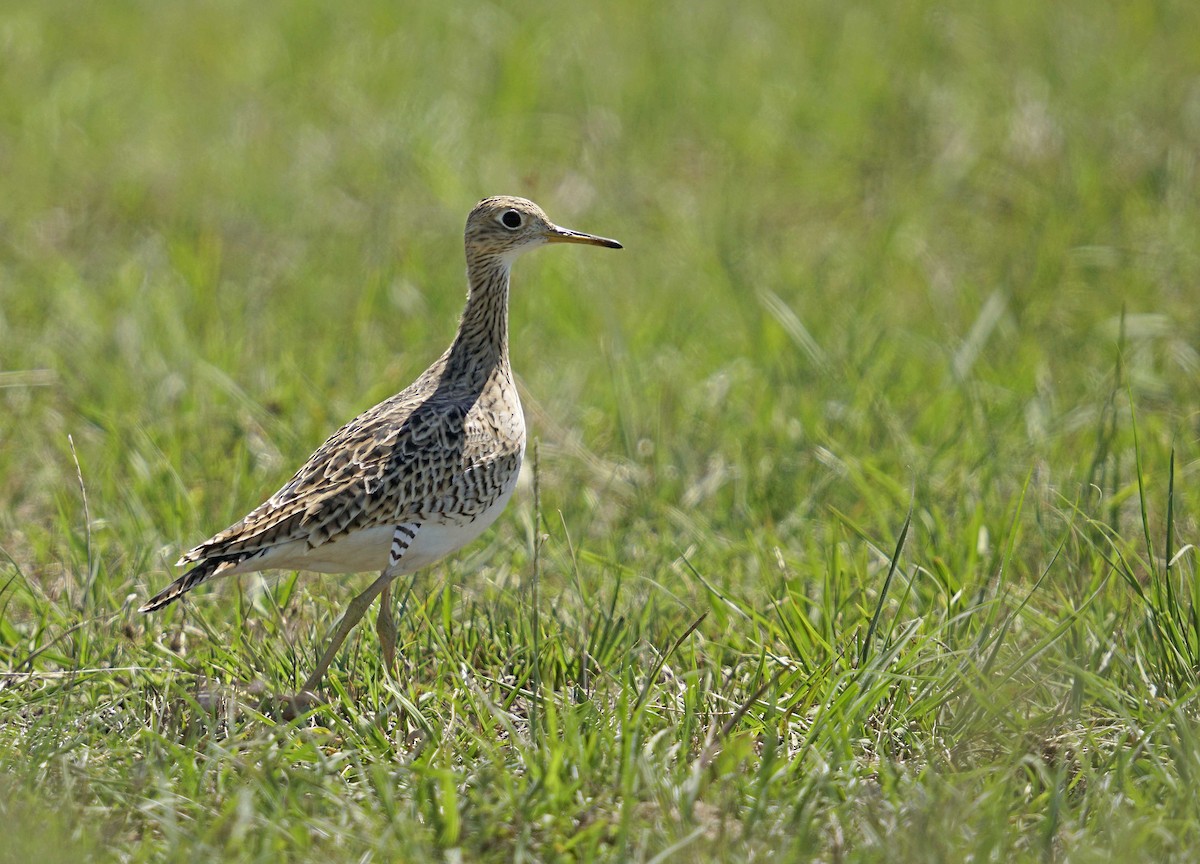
[{"x": 185, "y": 583}]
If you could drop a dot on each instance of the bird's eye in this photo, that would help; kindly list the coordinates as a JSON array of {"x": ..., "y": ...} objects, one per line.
[{"x": 510, "y": 219}]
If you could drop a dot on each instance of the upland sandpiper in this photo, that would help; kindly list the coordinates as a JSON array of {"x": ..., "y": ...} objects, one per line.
[{"x": 419, "y": 475}]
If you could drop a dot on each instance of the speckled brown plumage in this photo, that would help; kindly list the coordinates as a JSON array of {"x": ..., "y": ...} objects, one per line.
[{"x": 412, "y": 478}]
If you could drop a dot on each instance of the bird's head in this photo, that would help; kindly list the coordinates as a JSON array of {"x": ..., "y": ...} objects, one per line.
[{"x": 503, "y": 227}]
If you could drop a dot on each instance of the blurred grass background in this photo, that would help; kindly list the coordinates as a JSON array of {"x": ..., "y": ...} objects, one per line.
[{"x": 876, "y": 255}]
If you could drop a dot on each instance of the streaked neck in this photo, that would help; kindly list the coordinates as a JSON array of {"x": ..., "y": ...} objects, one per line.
[{"x": 481, "y": 346}]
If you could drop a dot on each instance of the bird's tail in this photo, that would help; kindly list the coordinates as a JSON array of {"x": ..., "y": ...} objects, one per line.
[{"x": 198, "y": 575}]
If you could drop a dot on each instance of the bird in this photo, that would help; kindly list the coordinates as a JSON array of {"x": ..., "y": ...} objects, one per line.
[{"x": 417, "y": 476}]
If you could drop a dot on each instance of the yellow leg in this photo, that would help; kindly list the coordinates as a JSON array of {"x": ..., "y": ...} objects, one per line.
[
  {"x": 385, "y": 626},
  {"x": 354, "y": 612}
]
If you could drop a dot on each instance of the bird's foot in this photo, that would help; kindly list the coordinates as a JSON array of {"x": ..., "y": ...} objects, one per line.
[{"x": 289, "y": 707}]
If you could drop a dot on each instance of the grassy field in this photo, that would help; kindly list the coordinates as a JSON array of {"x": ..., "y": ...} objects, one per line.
[{"x": 867, "y": 474}]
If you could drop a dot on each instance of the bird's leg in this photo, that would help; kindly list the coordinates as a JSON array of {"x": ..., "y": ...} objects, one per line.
[
  {"x": 385, "y": 626},
  {"x": 357, "y": 608}
]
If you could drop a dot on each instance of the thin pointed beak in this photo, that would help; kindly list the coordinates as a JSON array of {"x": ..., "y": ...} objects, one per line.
[{"x": 566, "y": 235}]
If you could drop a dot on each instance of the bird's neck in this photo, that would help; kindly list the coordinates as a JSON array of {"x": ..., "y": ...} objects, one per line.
[{"x": 480, "y": 349}]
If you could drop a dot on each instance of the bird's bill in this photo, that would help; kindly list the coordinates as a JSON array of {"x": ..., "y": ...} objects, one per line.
[{"x": 566, "y": 235}]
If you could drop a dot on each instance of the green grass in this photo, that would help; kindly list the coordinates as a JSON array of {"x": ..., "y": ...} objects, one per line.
[{"x": 868, "y": 471}]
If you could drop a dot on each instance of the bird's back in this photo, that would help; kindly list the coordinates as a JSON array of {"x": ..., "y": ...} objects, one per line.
[{"x": 437, "y": 453}]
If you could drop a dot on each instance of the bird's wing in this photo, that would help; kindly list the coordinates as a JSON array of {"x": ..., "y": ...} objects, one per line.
[{"x": 400, "y": 461}]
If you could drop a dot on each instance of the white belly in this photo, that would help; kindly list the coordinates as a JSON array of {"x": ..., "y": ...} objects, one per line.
[
  {"x": 368, "y": 549},
  {"x": 434, "y": 542}
]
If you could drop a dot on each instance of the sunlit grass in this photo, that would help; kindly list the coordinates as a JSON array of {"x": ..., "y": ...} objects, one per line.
[{"x": 867, "y": 471}]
